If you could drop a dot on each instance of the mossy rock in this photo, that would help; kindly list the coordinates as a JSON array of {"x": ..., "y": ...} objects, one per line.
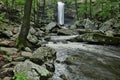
[{"x": 98, "y": 38}]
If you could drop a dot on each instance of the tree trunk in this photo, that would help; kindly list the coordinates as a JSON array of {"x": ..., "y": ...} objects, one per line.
[
  {"x": 90, "y": 9},
  {"x": 22, "y": 39},
  {"x": 85, "y": 4},
  {"x": 76, "y": 7}
]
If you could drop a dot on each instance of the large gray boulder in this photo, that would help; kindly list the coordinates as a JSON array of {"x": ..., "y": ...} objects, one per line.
[
  {"x": 45, "y": 56},
  {"x": 98, "y": 38},
  {"x": 33, "y": 71}
]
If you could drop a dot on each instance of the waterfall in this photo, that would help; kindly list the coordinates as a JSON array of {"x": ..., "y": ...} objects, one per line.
[{"x": 61, "y": 13}]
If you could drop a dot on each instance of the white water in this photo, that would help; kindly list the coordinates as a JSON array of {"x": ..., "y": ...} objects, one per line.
[
  {"x": 61, "y": 13},
  {"x": 94, "y": 62}
]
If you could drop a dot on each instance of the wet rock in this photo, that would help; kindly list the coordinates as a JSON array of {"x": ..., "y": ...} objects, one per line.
[
  {"x": 66, "y": 32},
  {"x": 98, "y": 38},
  {"x": 71, "y": 60},
  {"x": 32, "y": 38},
  {"x": 44, "y": 54},
  {"x": 9, "y": 51},
  {"x": 63, "y": 77},
  {"x": 33, "y": 71},
  {"x": 107, "y": 25}
]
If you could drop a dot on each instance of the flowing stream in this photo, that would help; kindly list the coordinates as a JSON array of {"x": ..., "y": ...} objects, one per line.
[{"x": 79, "y": 61}]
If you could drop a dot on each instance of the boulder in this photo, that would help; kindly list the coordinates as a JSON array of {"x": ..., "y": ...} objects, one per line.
[
  {"x": 109, "y": 33},
  {"x": 66, "y": 32},
  {"x": 83, "y": 31},
  {"x": 73, "y": 27},
  {"x": 32, "y": 38},
  {"x": 39, "y": 33},
  {"x": 108, "y": 25},
  {"x": 32, "y": 31},
  {"x": 8, "y": 33},
  {"x": 26, "y": 54},
  {"x": 89, "y": 25},
  {"x": 27, "y": 49},
  {"x": 98, "y": 38},
  {"x": 44, "y": 54},
  {"x": 51, "y": 26},
  {"x": 9, "y": 51},
  {"x": 33, "y": 71}
]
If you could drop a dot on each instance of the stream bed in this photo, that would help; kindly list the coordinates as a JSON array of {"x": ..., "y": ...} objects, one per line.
[{"x": 80, "y": 61}]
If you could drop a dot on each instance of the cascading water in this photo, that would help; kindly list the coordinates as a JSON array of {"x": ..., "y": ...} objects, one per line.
[{"x": 61, "y": 13}]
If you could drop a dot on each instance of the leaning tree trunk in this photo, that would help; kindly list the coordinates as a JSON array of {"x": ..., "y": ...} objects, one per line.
[{"x": 22, "y": 39}]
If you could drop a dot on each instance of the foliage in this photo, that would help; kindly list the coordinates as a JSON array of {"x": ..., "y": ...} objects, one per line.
[
  {"x": 101, "y": 9},
  {"x": 2, "y": 17},
  {"x": 21, "y": 76}
]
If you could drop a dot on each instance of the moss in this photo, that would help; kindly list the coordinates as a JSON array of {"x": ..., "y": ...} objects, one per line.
[
  {"x": 21, "y": 76},
  {"x": 106, "y": 39}
]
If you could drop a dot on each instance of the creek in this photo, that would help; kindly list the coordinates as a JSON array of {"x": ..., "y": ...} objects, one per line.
[{"x": 80, "y": 61}]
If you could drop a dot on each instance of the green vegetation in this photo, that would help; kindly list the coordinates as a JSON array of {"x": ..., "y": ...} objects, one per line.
[{"x": 21, "y": 76}]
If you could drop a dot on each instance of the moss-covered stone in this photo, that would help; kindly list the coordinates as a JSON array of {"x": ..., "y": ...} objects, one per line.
[{"x": 98, "y": 38}]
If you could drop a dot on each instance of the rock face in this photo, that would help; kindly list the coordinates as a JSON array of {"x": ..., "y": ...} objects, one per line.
[
  {"x": 33, "y": 71},
  {"x": 45, "y": 56}
]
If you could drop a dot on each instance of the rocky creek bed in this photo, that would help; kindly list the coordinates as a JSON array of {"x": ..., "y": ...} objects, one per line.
[
  {"x": 62, "y": 52},
  {"x": 79, "y": 61}
]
